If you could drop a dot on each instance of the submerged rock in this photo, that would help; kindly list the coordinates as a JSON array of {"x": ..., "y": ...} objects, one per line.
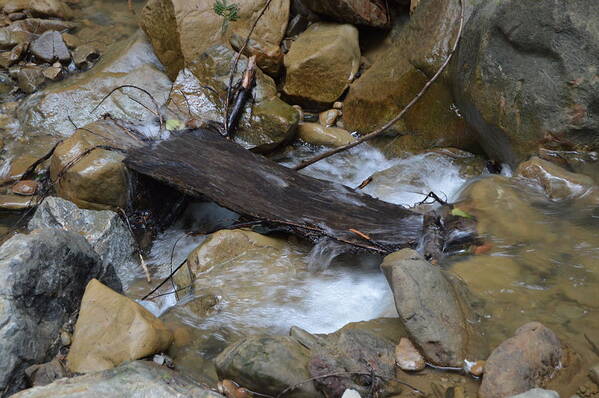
[
  {"x": 358, "y": 12},
  {"x": 181, "y": 30},
  {"x": 133, "y": 379},
  {"x": 131, "y": 62},
  {"x": 112, "y": 329},
  {"x": 267, "y": 365},
  {"x": 42, "y": 278},
  {"x": 105, "y": 231},
  {"x": 321, "y": 64},
  {"x": 432, "y": 309},
  {"x": 529, "y": 359},
  {"x": 409, "y": 59},
  {"x": 526, "y": 76},
  {"x": 537, "y": 393},
  {"x": 199, "y": 93},
  {"x": 558, "y": 183}
]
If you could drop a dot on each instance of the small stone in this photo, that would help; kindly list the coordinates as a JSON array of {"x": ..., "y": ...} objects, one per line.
[
  {"x": 71, "y": 40},
  {"x": 65, "y": 338},
  {"x": 85, "y": 55},
  {"x": 50, "y": 47},
  {"x": 537, "y": 393},
  {"x": 52, "y": 73},
  {"x": 300, "y": 111},
  {"x": 46, "y": 373},
  {"x": 349, "y": 393},
  {"x": 30, "y": 79},
  {"x": 328, "y": 118},
  {"x": 594, "y": 373},
  {"x": 338, "y": 105},
  {"x": 317, "y": 134},
  {"x": 9, "y": 58},
  {"x": 407, "y": 356},
  {"x": 25, "y": 188},
  {"x": 478, "y": 368},
  {"x": 15, "y": 16}
]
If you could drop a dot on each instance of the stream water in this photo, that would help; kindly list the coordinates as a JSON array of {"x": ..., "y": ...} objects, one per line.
[{"x": 543, "y": 263}]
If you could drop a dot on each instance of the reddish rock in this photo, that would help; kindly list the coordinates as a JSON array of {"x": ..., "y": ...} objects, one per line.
[
  {"x": 358, "y": 12},
  {"x": 407, "y": 356},
  {"x": 25, "y": 188}
]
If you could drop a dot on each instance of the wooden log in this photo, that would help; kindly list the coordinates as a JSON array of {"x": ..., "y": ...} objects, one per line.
[{"x": 202, "y": 163}]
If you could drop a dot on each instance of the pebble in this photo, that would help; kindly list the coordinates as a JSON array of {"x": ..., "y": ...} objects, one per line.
[
  {"x": 338, "y": 105},
  {"x": 52, "y": 73},
  {"x": 349, "y": 393},
  {"x": 65, "y": 338},
  {"x": 594, "y": 373},
  {"x": 25, "y": 188},
  {"x": 477, "y": 369},
  {"x": 407, "y": 356},
  {"x": 328, "y": 118}
]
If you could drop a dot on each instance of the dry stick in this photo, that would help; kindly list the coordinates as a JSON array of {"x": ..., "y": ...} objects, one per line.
[
  {"x": 234, "y": 69},
  {"x": 137, "y": 88},
  {"x": 390, "y": 123}
]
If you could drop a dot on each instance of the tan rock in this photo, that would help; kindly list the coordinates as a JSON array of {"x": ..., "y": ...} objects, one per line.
[
  {"x": 70, "y": 40},
  {"x": 52, "y": 72},
  {"x": 317, "y": 134},
  {"x": 17, "y": 202},
  {"x": 407, "y": 356},
  {"x": 181, "y": 30},
  {"x": 329, "y": 118},
  {"x": 25, "y": 188},
  {"x": 112, "y": 329},
  {"x": 321, "y": 63},
  {"x": 42, "y": 8},
  {"x": 97, "y": 180}
]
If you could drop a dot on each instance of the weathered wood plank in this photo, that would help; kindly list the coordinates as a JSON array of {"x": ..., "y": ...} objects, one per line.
[{"x": 203, "y": 163}]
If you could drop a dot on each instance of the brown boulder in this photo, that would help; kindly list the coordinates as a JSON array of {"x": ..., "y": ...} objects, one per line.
[
  {"x": 317, "y": 134},
  {"x": 321, "y": 64},
  {"x": 529, "y": 359},
  {"x": 112, "y": 329},
  {"x": 181, "y": 30}
]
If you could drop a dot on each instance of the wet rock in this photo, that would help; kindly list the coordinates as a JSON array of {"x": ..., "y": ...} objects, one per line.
[
  {"x": 408, "y": 60},
  {"x": 321, "y": 64},
  {"x": 267, "y": 365},
  {"x": 38, "y": 26},
  {"x": 432, "y": 309},
  {"x": 317, "y": 134},
  {"x": 17, "y": 202},
  {"x": 361, "y": 12},
  {"x": 477, "y": 369},
  {"x": 131, "y": 62},
  {"x": 349, "y": 393},
  {"x": 131, "y": 379},
  {"x": 407, "y": 356},
  {"x": 71, "y": 41},
  {"x": 52, "y": 72},
  {"x": 199, "y": 91},
  {"x": 15, "y": 16},
  {"x": 357, "y": 349},
  {"x": 558, "y": 183},
  {"x": 30, "y": 78},
  {"x": 9, "y": 39},
  {"x": 85, "y": 55},
  {"x": 537, "y": 393},
  {"x": 40, "y": 8},
  {"x": 329, "y": 118},
  {"x": 529, "y": 359},
  {"x": 42, "y": 278},
  {"x": 50, "y": 47},
  {"x": 98, "y": 180},
  {"x": 500, "y": 92},
  {"x": 9, "y": 58},
  {"x": 112, "y": 329},
  {"x": 46, "y": 373},
  {"x": 105, "y": 231},
  {"x": 594, "y": 374},
  {"x": 25, "y": 188},
  {"x": 181, "y": 30}
]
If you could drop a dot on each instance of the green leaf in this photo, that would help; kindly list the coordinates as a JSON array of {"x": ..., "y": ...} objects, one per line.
[
  {"x": 173, "y": 124},
  {"x": 460, "y": 213}
]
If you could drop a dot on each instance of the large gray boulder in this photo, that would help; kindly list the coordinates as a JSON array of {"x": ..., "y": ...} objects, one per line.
[
  {"x": 42, "y": 278},
  {"x": 137, "y": 379},
  {"x": 105, "y": 231},
  {"x": 526, "y": 75},
  {"x": 433, "y": 309}
]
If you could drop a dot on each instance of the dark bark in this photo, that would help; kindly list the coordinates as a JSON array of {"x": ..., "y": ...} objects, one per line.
[{"x": 202, "y": 163}]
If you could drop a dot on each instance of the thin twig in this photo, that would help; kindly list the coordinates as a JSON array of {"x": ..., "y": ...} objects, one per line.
[
  {"x": 137, "y": 88},
  {"x": 391, "y": 122},
  {"x": 165, "y": 279},
  {"x": 137, "y": 248},
  {"x": 234, "y": 68}
]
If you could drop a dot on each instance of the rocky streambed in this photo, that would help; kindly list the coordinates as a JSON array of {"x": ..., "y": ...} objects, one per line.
[{"x": 506, "y": 139}]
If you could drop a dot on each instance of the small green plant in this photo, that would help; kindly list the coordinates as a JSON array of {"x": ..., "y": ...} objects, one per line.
[{"x": 229, "y": 12}]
